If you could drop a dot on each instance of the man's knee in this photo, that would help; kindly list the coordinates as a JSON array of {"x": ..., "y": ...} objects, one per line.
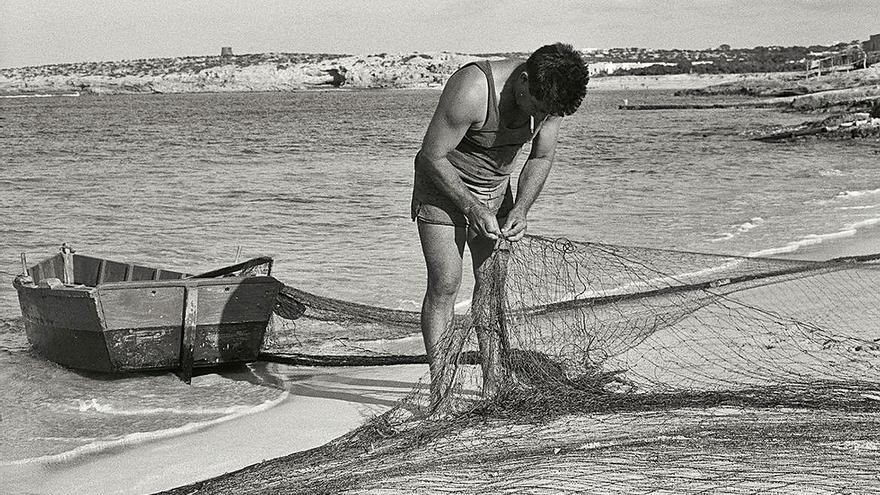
[{"x": 444, "y": 286}]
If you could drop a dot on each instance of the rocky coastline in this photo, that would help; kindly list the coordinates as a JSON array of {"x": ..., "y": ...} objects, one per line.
[
  {"x": 846, "y": 90},
  {"x": 298, "y": 71},
  {"x": 850, "y": 91},
  {"x": 262, "y": 72}
]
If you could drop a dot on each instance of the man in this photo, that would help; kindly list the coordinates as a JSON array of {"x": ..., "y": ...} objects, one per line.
[{"x": 461, "y": 193}]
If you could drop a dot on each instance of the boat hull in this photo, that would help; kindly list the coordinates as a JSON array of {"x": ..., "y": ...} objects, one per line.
[{"x": 140, "y": 325}]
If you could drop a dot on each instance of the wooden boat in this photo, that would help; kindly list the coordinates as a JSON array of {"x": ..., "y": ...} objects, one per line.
[{"x": 102, "y": 315}]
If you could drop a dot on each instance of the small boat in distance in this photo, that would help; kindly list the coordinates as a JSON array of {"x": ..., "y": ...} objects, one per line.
[{"x": 101, "y": 315}]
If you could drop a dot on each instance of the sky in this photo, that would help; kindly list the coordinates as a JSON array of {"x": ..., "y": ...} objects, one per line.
[{"x": 62, "y": 31}]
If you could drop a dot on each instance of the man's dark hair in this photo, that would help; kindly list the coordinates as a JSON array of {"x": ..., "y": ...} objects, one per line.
[{"x": 558, "y": 77}]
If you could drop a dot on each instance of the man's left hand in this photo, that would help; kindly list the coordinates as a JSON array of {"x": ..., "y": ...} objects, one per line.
[{"x": 515, "y": 226}]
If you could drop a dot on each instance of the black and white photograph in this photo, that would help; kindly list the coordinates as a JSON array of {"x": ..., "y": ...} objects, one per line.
[{"x": 452, "y": 247}]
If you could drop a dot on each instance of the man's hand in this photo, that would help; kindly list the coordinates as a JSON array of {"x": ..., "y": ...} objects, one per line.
[
  {"x": 483, "y": 222},
  {"x": 515, "y": 227}
]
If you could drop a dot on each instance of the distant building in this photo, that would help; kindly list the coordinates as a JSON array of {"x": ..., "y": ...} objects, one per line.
[
  {"x": 853, "y": 57},
  {"x": 873, "y": 44},
  {"x": 226, "y": 51}
]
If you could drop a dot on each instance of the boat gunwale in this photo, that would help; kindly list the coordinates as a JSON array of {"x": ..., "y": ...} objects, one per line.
[
  {"x": 146, "y": 284},
  {"x": 188, "y": 280}
]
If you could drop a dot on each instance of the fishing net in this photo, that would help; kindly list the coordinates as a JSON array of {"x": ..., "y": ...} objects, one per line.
[{"x": 610, "y": 369}]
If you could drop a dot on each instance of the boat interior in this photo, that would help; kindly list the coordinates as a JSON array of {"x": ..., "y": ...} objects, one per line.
[{"x": 91, "y": 272}]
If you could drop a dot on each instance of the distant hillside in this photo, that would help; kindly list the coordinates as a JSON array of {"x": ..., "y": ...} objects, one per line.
[
  {"x": 256, "y": 72},
  {"x": 296, "y": 71}
]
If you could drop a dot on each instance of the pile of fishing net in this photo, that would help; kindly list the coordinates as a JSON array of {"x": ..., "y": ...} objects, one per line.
[{"x": 611, "y": 370}]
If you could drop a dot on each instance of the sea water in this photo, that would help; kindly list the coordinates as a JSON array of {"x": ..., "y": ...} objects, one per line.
[{"x": 321, "y": 181}]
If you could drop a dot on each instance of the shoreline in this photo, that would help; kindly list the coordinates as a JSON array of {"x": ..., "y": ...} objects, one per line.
[
  {"x": 99, "y": 448},
  {"x": 106, "y": 86},
  {"x": 322, "y": 404},
  {"x": 702, "y": 86},
  {"x": 852, "y": 241}
]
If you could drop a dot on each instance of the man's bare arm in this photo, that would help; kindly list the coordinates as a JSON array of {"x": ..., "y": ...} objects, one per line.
[
  {"x": 462, "y": 105},
  {"x": 532, "y": 178}
]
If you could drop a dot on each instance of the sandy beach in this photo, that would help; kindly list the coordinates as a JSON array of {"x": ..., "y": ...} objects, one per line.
[
  {"x": 632, "y": 449},
  {"x": 323, "y": 404}
]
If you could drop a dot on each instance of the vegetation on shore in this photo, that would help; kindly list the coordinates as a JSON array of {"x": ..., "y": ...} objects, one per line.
[{"x": 727, "y": 60}]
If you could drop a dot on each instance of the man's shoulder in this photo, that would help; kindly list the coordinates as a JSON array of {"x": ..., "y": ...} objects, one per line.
[
  {"x": 503, "y": 67},
  {"x": 468, "y": 88},
  {"x": 468, "y": 78}
]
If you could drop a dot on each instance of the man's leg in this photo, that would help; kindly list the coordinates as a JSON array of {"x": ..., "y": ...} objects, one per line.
[
  {"x": 443, "y": 247},
  {"x": 485, "y": 312}
]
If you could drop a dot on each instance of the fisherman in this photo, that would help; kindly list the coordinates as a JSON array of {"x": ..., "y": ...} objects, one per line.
[{"x": 462, "y": 194}]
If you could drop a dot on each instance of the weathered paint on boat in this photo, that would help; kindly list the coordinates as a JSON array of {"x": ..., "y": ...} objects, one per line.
[{"x": 120, "y": 317}]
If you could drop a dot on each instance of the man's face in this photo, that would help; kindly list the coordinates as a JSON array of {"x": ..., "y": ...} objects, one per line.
[
  {"x": 532, "y": 105},
  {"x": 536, "y": 108}
]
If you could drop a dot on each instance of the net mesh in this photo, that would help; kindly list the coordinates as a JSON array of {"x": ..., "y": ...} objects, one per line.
[{"x": 614, "y": 369}]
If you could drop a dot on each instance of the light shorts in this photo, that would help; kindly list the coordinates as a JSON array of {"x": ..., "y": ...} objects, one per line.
[{"x": 429, "y": 205}]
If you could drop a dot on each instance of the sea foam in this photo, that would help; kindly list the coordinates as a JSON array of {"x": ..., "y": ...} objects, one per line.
[
  {"x": 848, "y": 230},
  {"x": 857, "y": 193},
  {"x": 101, "y": 445},
  {"x": 86, "y": 405},
  {"x": 740, "y": 229},
  {"x": 862, "y": 207}
]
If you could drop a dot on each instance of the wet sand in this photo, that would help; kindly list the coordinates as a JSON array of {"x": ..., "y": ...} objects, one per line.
[{"x": 323, "y": 404}]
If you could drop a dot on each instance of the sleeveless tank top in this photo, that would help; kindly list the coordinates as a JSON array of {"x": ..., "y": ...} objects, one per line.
[{"x": 485, "y": 156}]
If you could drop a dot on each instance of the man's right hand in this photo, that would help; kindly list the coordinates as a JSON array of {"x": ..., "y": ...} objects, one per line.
[{"x": 483, "y": 222}]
